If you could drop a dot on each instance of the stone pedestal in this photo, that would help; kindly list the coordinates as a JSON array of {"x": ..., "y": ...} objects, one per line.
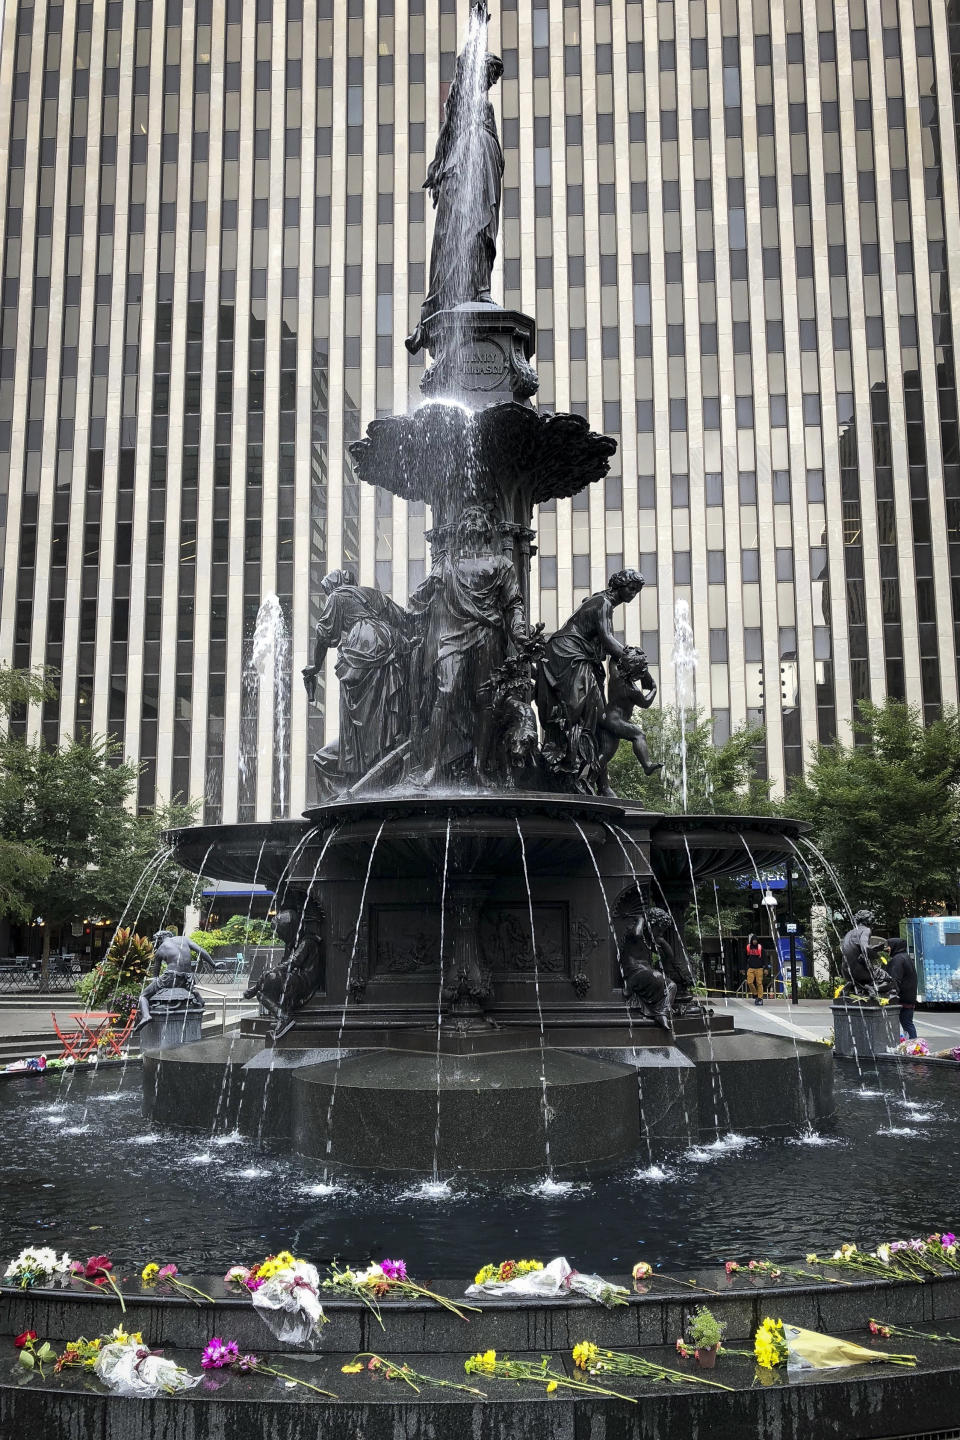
[
  {"x": 480, "y": 354},
  {"x": 168, "y": 1028},
  {"x": 864, "y": 1031}
]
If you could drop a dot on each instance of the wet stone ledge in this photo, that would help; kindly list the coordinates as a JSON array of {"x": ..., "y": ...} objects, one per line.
[{"x": 865, "y": 1403}]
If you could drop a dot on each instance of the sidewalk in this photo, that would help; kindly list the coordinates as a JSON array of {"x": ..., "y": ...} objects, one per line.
[{"x": 811, "y": 1020}]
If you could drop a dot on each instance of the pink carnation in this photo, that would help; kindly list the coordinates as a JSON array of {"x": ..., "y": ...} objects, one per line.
[{"x": 394, "y": 1269}]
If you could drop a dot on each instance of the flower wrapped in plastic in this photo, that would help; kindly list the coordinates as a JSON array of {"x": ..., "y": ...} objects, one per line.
[
  {"x": 37, "y": 1265},
  {"x": 777, "y": 1343},
  {"x": 286, "y": 1291},
  {"x": 557, "y": 1278},
  {"x": 128, "y": 1367}
]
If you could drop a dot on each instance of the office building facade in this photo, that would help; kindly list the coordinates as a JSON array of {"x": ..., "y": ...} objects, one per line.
[{"x": 735, "y": 222}]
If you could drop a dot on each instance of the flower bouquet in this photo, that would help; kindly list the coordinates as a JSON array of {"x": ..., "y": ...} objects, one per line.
[
  {"x": 913, "y": 1047},
  {"x": 486, "y": 1363},
  {"x": 777, "y": 1343},
  {"x": 286, "y": 1292},
  {"x": 596, "y": 1361},
  {"x": 95, "y": 1272},
  {"x": 225, "y": 1355},
  {"x": 386, "y": 1277},
  {"x": 129, "y": 1367},
  {"x": 152, "y": 1273},
  {"x": 37, "y": 1267},
  {"x": 557, "y": 1278},
  {"x": 400, "y": 1370}
]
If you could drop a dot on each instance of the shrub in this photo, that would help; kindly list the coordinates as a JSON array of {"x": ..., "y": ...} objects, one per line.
[
  {"x": 119, "y": 977},
  {"x": 239, "y": 930}
]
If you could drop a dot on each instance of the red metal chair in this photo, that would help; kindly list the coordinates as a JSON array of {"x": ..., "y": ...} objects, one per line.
[
  {"x": 74, "y": 1042},
  {"x": 116, "y": 1039}
]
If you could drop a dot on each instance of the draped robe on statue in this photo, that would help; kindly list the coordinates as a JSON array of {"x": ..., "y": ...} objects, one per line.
[
  {"x": 473, "y": 606},
  {"x": 369, "y": 631},
  {"x": 465, "y": 177}
]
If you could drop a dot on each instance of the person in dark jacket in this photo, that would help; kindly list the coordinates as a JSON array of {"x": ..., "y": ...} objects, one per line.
[{"x": 903, "y": 973}]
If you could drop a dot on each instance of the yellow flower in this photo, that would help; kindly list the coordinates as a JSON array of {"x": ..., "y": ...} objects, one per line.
[
  {"x": 149, "y": 1273},
  {"x": 583, "y": 1353},
  {"x": 484, "y": 1364},
  {"x": 551, "y": 1387},
  {"x": 487, "y": 1273},
  {"x": 351, "y": 1369},
  {"x": 284, "y": 1259},
  {"x": 812, "y": 1260}
]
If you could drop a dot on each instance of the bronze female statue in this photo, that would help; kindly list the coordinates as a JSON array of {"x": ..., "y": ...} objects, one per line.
[
  {"x": 570, "y": 684},
  {"x": 464, "y": 180},
  {"x": 370, "y": 633}
]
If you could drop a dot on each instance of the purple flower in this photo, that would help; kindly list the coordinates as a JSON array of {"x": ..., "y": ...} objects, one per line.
[
  {"x": 917, "y": 1245},
  {"x": 253, "y": 1284},
  {"x": 394, "y": 1269},
  {"x": 220, "y": 1354},
  {"x": 247, "y": 1363},
  {"x": 947, "y": 1238}
]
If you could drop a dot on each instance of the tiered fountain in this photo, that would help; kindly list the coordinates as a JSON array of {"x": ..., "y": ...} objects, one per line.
[{"x": 484, "y": 969}]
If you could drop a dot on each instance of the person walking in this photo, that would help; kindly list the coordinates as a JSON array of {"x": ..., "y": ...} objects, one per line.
[
  {"x": 903, "y": 973},
  {"x": 755, "y": 969}
]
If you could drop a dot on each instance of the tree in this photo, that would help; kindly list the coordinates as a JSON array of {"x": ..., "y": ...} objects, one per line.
[
  {"x": 23, "y": 865},
  {"x": 69, "y": 803},
  {"x": 721, "y": 779},
  {"x": 885, "y": 811}
]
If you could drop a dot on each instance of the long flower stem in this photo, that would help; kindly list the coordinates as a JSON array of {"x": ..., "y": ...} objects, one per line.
[
  {"x": 182, "y": 1285},
  {"x": 409, "y": 1287},
  {"x": 281, "y": 1375},
  {"x": 402, "y": 1371},
  {"x": 99, "y": 1288},
  {"x": 908, "y": 1330}
]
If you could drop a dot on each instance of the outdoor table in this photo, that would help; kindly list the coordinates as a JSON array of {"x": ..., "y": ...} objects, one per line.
[{"x": 94, "y": 1027}]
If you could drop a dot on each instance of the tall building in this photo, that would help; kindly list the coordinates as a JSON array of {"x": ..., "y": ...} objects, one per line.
[{"x": 734, "y": 220}]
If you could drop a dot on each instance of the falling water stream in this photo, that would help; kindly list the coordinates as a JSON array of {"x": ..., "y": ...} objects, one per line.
[
  {"x": 684, "y": 661},
  {"x": 346, "y": 993},
  {"x": 443, "y": 911},
  {"x": 269, "y": 657},
  {"x": 536, "y": 988},
  {"x": 644, "y": 1128}
]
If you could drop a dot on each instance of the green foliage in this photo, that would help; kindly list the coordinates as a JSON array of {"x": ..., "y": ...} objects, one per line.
[
  {"x": 704, "y": 1330},
  {"x": 118, "y": 978},
  {"x": 239, "y": 930},
  {"x": 721, "y": 779},
  {"x": 71, "y": 847},
  {"x": 813, "y": 989},
  {"x": 885, "y": 812},
  {"x": 23, "y": 865}
]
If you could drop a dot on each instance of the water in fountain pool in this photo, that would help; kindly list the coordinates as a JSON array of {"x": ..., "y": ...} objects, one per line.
[{"x": 208, "y": 1205}]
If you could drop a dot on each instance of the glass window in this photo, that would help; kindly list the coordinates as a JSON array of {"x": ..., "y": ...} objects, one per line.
[
  {"x": 750, "y": 566},
  {"x": 784, "y": 564},
  {"x": 681, "y": 567},
  {"x": 713, "y": 487},
  {"x": 716, "y": 567},
  {"x": 781, "y": 487},
  {"x": 748, "y": 487},
  {"x": 718, "y": 647}
]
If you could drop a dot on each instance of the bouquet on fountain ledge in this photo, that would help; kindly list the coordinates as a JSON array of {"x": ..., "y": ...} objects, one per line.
[
  {"x": 777, "y": 1343},
  {"x": 528, "y": 1278},
  {"x": 286, "y": 1291}
]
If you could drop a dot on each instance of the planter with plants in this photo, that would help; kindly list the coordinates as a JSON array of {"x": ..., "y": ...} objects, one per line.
[{"x": 705, "y": 1333}]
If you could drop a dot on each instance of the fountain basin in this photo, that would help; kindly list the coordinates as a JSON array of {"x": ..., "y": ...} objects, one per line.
[{"x": 480, "y": 928}]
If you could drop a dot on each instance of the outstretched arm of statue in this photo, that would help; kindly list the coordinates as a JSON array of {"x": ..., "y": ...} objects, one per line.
[{"x": 204, "y": 961}]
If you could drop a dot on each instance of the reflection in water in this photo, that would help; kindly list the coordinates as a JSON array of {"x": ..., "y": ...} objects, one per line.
[{"x": 684, "y": 1211}]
